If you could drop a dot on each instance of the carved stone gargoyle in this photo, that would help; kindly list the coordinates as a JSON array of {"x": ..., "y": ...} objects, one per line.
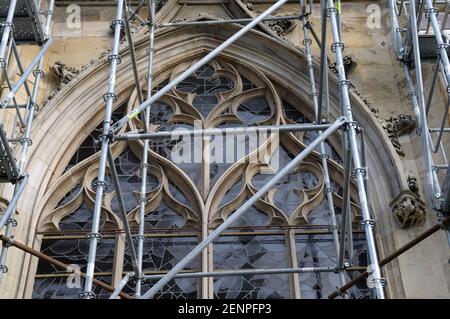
[
  {"x": 395, "y": 126},
  {"x": 408, "y": 209},
  {"x": 282, "y": 27},
  {"x": 64, "y": 73}
]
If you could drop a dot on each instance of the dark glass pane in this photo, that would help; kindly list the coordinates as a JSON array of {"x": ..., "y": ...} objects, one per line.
[
  {"x": 251, "y": 252},
  {"x": 164, "y": 218},
  {"x": 161, "y": 254},
  {"x": 227, "y": 149},
  {"x": 205, "y": 87},
  {"x": 184, "y": 151},
  {"x": 321, "y": 214},
  {"x": 252, "y": 218},
  {"x": 294, "y": 114},
  {"x": 75, "y": 252},
  {"x": 320, "y": 251},
  {"x": 252, "y": 287},
  {"x": 69, "y": 196},
  {"x": 254, "y": 110},
  {"x": 232, "y": 193},
  {"x": 287, "y": 195},
  {"x": 309, "y": 137},
  {"x": 79, "y": 222},
  {"x": 247, "y": 85},
  {"x": 89, "y": 146},
  {"x": 178, "y": 194},
  {"x": 66, "y": 288},
  {"x": 160, "y": 114}
]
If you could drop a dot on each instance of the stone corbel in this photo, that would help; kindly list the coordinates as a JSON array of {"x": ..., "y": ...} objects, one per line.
[
  {"x": 282, "y": 27},
  {"x": 408, "y": 209}
]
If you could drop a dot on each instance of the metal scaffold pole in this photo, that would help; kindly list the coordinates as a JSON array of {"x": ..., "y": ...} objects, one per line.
[
  {"x": 359, "y": 172},
  {"x": 110, "y": 97},
  {"x": 288, "y": 128},
  {"x": 323, "y": 79},
  {"x": 7, "y": 27},
  {"x": 431, "y": 177},
  {"x": 151, "y": 4},
  {"x": 25, "y": 141},
  {"x": 243, "y": 272},
  {"x": 323, "y": 154}
]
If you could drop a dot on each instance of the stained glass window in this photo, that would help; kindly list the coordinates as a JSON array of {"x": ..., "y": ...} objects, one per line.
[{"x": 188, "y": 199}]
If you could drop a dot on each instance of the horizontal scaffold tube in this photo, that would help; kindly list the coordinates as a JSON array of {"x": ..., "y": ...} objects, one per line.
[
  {"x": 241, "y": 272},
  {"x": 227, "y": 131}
]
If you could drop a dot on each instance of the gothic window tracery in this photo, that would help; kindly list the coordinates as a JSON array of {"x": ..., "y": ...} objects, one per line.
[{"x": 182, "y": 196}]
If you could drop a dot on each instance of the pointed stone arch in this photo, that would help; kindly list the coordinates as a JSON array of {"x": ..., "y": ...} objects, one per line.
[{"x": 77, "y": 109}]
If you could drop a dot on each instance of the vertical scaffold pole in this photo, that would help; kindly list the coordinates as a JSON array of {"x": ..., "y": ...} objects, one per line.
[
  {"x": 323, "y": 154},
  {"x": 323, "y": 80},
  {"x": 359, "y": 172},
  {"x": 110, "y": 97},
  {"x": 433, "y": 186},
  {"x": 145, "y": 164},
  {"x": 25, "y": 142},
  {"x": 7, "y": 27}
]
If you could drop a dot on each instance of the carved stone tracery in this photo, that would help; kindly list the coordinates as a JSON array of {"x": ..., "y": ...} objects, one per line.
[{"x": 232, "y": 92}]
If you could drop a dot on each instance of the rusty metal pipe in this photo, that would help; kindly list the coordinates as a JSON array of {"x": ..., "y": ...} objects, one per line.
[
  {"x": 57, "y": 263},
  {"x": 393, "y": 256}
]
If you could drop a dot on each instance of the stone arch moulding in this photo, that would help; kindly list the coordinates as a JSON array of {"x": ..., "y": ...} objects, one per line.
[{"x": 77, "y": 109}]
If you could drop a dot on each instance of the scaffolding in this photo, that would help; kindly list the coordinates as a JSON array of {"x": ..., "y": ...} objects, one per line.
[
  {"x": 21, "y": 25},
  {"x": 411, "y": 45},
  {"x": 354, "y": 166},
  {"x": 346, "y": 124}
]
